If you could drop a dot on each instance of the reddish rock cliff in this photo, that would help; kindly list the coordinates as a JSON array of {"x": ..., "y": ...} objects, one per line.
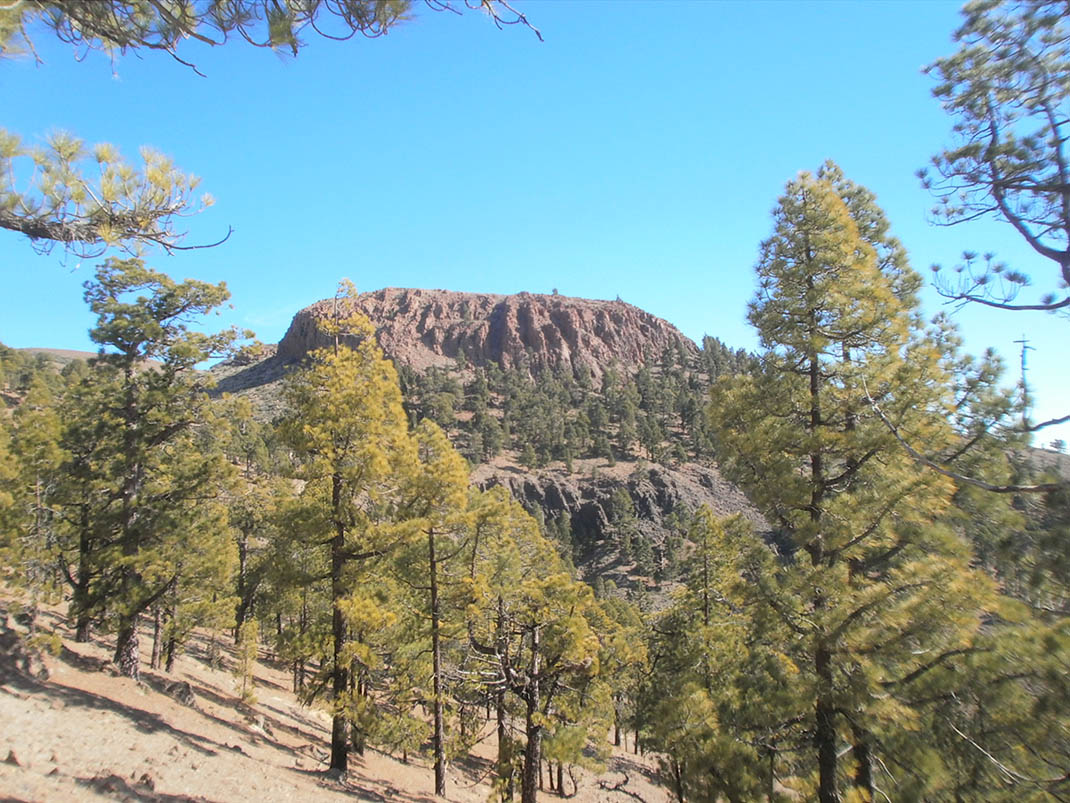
[{"x": 433, "y": 327}]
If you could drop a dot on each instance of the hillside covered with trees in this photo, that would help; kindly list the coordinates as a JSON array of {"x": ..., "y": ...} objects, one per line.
[
  {"x": 826, "y": 571},
  {"x": 346, "y": 537}
]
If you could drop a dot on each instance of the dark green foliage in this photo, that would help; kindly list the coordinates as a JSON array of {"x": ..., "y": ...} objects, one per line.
[
  {"x": 874, "y": 596},
  {"x": 655, "y": 414},
  {"x": 151, "y": 456},
  {"x": 19, "y": 369},
  {"x": 625, "y": 522},
  {"x": 122, "y": 472}
]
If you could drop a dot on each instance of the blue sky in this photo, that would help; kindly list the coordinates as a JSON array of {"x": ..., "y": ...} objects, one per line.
[{"x": 637, "y": 152}]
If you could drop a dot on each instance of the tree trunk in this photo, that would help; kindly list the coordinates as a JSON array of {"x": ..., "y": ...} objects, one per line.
[
  {"x": 678, "y": 779},
  {"x": 531, "y": 777},
  {"x": 339, "y": 668},
  {"x": 299, "y": 661},
  {"x": 242, "y": 589},
  {"x": 215, "y": 658},
  {"x": 126, "y": 649},
  {"x": 172, "y": 650},
  {"x": 505, "y": 750},
  {"x": 340, "y": 686},
  {"x": 356, "y": 687},
  {"x": 82, "y": 630},
  {"x": 825, "y": 729},
  {"x": 825, "y": 725},
  {"x": 436, "y": 663},
  {"x": 560, "y": 778},
  {"x": 172, "y": 641},
  {"x": 505, "y": 745},
  {"x": 154, "y": 661},
  {"x": 80, "y": 597},
  {"x": 357, "y": 739},
  {"x": 863, "y": 777},
  {"x": 772, "y": 775}
]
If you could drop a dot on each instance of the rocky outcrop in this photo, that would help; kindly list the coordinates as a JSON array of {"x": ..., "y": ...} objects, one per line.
[
  {"x": 657, "y": 493},
  {"x": 422, "y": 328}
]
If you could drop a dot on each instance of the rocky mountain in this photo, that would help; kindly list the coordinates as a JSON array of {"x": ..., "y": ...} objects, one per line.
[
  {"x": 606, "y": 374},
  {"x": 424, "y": 328}
]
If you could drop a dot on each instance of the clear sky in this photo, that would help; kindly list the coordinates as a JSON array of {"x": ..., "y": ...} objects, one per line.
[{"x": 637, "y": 152}]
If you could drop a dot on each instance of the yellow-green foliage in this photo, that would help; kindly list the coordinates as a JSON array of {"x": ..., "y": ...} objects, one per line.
[
  {"x": 247, "y": 651},
  {"x": 837, "y": 636}
]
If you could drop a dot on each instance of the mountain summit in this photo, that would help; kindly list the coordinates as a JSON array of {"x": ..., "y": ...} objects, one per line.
[{"x": 425, "y": 328}]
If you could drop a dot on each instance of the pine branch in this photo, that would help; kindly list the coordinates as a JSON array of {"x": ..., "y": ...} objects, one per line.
[{"x": 1044, "y": 487}]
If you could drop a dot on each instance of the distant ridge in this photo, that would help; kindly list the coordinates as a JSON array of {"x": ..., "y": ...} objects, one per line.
[
  {"x": 62, "y": 356},
  {"x": 66, "y": 356}
]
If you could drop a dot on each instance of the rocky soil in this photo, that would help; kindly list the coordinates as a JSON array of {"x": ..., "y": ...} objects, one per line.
[{"x": 71, "y": 730}]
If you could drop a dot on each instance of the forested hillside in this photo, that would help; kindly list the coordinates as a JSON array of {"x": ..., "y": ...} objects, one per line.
[
  {"x": 497, "y": 540},
  {"x": 590, "y": 413},
  {"x": 327, "y": 516}
]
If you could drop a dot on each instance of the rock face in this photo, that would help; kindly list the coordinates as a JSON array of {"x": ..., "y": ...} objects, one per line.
[
  {"x": 422, "y": 328},
  {"x": 657, "y": 493}
]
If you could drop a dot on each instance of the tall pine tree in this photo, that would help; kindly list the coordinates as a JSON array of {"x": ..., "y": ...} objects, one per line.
[
  {"x": 148, "y": 458},
  {"x": 347, "y": 426},
  {"x": 874, "y": 592}
]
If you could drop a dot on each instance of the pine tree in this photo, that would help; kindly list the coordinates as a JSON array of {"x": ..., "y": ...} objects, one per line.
[
  {"x": 625, "y": 659},
  {"x": 247, "y": 644},
  {"x": 1003, "y": 732},
  {"x": 8, "y": 486},
  {"x": 874, "y": 590},
  {"x": 254, "y": 506},
  {"x": 504, "y": 547},
  {"x": 347, "y": 426},
  {"x": 146, "y": 453},
  {"x": 715, "y": 704},
  {"x": 84, "y": 499},
  {"x": 535, "y": 630},
  {"x": 1007, "y": 90},
  {"x": 297, "y": 594},
  {"x": 36, "y": 449},
  {"x": 438, "y": 498}
]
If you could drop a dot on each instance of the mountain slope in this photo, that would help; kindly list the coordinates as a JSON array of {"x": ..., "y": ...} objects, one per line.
[
  {"x": 74, "y": 731},
  {"x": 561, "y": 400}
]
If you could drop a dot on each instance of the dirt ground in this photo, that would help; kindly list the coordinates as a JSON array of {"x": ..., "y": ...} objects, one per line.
[{"x": 86, "y": 734}]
